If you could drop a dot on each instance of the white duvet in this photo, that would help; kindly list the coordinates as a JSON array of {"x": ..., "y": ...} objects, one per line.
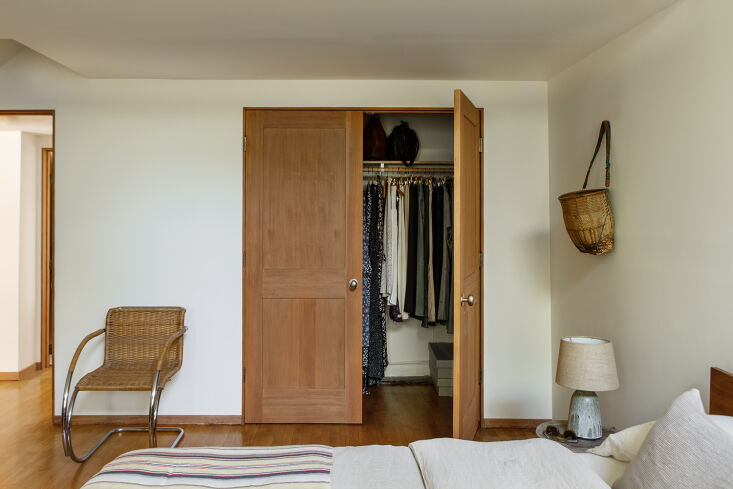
[{"x": 446, "y": 463}]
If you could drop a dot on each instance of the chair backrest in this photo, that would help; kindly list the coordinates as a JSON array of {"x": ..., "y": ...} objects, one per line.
[{"x": 136, "y": 336}]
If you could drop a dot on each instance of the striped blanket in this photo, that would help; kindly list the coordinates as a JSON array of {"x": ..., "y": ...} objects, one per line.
[{"x": 287, "y": 467}]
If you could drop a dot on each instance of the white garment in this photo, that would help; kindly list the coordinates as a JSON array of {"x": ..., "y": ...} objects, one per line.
[
  {"x": 431, "y": 285},
  {"x": 404, "y": 212},
  {"x": 392, "y": 267},
  {"x": 385, "y": 283}
]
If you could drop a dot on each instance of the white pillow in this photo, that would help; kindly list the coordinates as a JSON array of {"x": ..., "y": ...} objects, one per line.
[
  {"x": 625, "y": 444},
  {"x": 685, "y": 449}
]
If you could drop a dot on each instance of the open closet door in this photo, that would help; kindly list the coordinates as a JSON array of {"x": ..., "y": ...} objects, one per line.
[
  {"x": 303, "y": 220},
  {"x": 467, "y": 247}
]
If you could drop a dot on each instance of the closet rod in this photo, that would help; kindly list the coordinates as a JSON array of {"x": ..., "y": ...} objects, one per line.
[{"x": 408, "y": 170}]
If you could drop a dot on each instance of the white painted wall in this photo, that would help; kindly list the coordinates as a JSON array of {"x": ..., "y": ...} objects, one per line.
[
  {"x": 9, "y": 248},
  {"x": 148, "y": 211},
  {"x": 407, "y": 347},
  {"x": 664, "y": 295},
  {"x": 516, "y": 257}
]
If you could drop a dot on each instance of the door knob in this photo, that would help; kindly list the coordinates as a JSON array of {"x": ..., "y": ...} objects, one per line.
[
  {"x": 353, "y": 284},
  {"x": 471, "y": 300}
]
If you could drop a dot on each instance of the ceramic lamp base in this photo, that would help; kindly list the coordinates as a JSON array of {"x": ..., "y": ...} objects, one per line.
[{"x": 584, "y": 418}]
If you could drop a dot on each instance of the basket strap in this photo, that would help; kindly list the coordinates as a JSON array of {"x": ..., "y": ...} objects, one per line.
[{"x": 605, "y": 129}]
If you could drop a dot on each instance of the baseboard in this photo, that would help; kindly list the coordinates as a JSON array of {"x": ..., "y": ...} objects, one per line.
[
  {"x": 23, "y": 374},
  {"x": 416, "y": 368},
  {"x": 142, "y": 419},
  {"x": 516, "y": 423}
]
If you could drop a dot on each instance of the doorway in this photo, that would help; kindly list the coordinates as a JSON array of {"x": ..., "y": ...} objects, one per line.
[
  {"x": 302, "y": 264},
  {"x": 27, "y": 139}
]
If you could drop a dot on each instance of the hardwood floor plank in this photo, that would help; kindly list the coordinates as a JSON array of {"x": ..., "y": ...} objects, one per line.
[{"x": 31, "y": 456}]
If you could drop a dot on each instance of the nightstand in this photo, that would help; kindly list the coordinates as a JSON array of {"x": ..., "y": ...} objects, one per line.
[{"x": 579, "y": 447}]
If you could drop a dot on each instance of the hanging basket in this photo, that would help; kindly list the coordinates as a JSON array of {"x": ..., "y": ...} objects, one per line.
[{"x": 587, "y": 213}]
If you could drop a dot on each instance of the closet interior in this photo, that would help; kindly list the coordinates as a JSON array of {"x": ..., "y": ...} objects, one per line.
[{"x": 407, "y": 269}]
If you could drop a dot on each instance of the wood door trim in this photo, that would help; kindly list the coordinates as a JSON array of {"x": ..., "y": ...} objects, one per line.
[
  {"x": 381, "y": 110},
  {"x": 46, "y": 254},
  {"x": 385, "y": 110},
  {"x": 52, "y": 113},
  {"x": 481, "y": 266}
]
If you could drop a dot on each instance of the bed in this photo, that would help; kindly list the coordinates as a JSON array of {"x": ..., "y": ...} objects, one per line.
[{"x": 426, "y": 464}]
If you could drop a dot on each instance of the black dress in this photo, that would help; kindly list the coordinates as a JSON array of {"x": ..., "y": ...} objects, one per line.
[{"x": 411, "y": 278}]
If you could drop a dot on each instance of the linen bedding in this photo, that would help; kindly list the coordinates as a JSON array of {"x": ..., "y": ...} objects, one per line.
[{"x": 430, "y": 464}]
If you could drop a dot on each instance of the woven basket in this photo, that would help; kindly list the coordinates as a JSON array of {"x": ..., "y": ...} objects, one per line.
[{"x": 587, "y": 213}]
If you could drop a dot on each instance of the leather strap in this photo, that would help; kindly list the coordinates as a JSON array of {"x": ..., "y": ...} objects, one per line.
[{"x": 605, "y": 130}]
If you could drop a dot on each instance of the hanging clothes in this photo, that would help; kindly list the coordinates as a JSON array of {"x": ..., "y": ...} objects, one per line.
[
  {"x": 449, "y": 245},
  {"x": 430, "y": 313},
  {"x": 366, "y": 276},
  {"x": 404, "y": 204},
  {"x": 420, "y": 265},
  {"x": 411, "y": 272},
  {"x": 437, "y": 210},
  {"x": 447, "y": 271},
  {"x": 376, "y": 328},
  {"x": 386, "y": 282},
  {"x": 407, "y": 263}
]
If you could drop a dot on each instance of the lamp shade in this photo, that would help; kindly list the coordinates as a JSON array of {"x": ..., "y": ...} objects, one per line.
[{"x": 587, "y": 364}]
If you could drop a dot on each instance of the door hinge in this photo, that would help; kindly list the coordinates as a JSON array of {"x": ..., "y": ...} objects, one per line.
[
  {"x": 244, "y": 143},
  {"x": 480, "y": 259},
  {"x": 480, "y": 145},
  {"x": 244, "y": 259},
  {"x": 243, "y": 376},
  {"x": 480, "y": 375}
]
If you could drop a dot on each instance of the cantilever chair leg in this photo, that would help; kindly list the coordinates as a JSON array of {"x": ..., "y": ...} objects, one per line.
[{"x": 68, "y": 407}]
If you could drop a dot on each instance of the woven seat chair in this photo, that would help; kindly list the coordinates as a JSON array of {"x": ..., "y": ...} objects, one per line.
[{"x": 143, "y": 350}]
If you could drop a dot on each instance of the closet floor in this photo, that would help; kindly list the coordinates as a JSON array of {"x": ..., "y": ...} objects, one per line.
[{"x": 31, "y": 456}]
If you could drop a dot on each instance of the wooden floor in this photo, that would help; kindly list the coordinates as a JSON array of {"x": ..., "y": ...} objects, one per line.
[{"x": 31, "y": 456}]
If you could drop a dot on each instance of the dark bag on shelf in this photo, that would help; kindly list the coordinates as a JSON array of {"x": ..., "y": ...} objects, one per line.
[
  {"x": 375, "y": 140},
  {"x": 403, "y": 144},
  {"x": 587, "y": 213}
]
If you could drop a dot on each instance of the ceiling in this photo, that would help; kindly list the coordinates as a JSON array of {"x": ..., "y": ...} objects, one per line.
[
  {"x": 319, "y": 39},
  {"x": 8, "y": 49},
  {"x": 35, "y": 124}
]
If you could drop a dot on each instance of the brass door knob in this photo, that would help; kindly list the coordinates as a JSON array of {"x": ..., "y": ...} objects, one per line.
[{"x": 353, "y": 284}]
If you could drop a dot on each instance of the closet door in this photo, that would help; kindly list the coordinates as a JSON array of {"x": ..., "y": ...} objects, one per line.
[
  {"x": 303, "y": 219},
  {"x": 467, "y": 246}
]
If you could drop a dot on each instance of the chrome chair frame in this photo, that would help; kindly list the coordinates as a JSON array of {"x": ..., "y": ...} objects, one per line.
[{"x": 67, "y": 406}]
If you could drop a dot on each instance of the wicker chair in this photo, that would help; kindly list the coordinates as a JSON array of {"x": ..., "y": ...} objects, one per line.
[{"x": 143, "y": 350}]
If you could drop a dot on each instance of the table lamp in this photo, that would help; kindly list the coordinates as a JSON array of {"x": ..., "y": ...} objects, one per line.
[{"x": 587, "y": 365}]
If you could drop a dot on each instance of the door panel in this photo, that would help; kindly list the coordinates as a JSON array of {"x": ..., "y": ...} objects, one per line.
[
  {"x": 467, "y": 275},
  {"x": 302, "y": 328}
]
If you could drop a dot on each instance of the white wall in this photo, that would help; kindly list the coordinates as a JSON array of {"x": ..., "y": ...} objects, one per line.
[
  {"x": 148, "y": 211},
  {"x": 516, "y": 257},
  {"x": 664, "y": 295},
  {"x": 9, "y": 248}
]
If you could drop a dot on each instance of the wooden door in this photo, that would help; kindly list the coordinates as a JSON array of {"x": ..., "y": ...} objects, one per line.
[
  {"x": 467, "y": 273},
  {"x": 303, "y": 220}
]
